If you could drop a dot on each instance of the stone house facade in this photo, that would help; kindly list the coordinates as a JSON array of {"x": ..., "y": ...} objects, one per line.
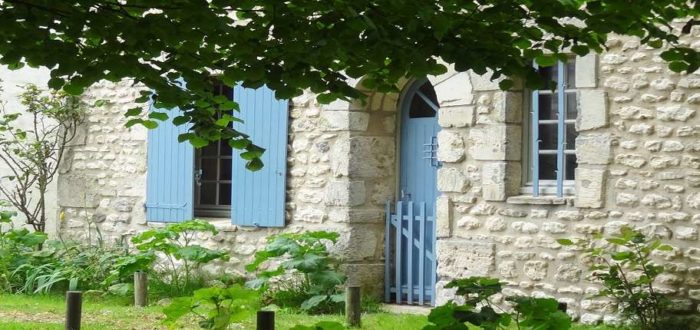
[{"x": 631, "y": 157}]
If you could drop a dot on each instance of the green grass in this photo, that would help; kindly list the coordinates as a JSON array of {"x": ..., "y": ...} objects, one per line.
[{"x": 21, "y": 312}]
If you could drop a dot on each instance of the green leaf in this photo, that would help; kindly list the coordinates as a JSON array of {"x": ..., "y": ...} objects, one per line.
[
  {"x": 313, "y": 302},
  {"x": 565, "y": 242},
  {"x": 162, "y": 116}
]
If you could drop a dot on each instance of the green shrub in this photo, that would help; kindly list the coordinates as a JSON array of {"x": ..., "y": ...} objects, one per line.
[
  {"x": 623, "y": 265},
  {"x": 306, "y": 275},
  {"x": 179, "y": 273},
  {"x": 478, "y": 309},
  {"x": 216, "y": 308}
]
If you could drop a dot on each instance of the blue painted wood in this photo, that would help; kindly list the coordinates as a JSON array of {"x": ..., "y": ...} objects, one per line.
[
  {"x": 561, "y": 138},
  {"x": 398, "y": 250},
  {"x": 535, "y": 143},
  {"x": 433, "y": 261},
  {"x": 258, "y": 198},
  {"x": 170, "y": 178},
  {"x": 387, "y": 253},
  {"x": 409, "y": 254},
  {"x": 421, "y": 254}
]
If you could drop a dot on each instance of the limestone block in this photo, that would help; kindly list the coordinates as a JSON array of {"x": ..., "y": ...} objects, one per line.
[
  {"x": 568, "y": 273},
  {"x": 360, "y": 242},
  {"x": 345, "y": 193},
  {"x": 590, "y": 187},
  {"x": 508, "y": 107},
  {"x": 495, "y": 142},
  {"x": 634, "y": 112},
  {"x": 500, "y": 180},
  {"x": 77, "y": 190},
  {"x": 631, "y": 160},
  {"x": 310, "y": 214},
  {"x": 344, "y": 120},
  {"x": 462, "y": 258},
  {"x": 586, "y": 71},
  {"x": 693, "y": 200},
  {"x": 686, "y": 233},
  {"x": 451, "y": 180},
  {"x": 469, "y": 222},
  {"x": 593, "y": 149},
  {"x": 656, "y": 201},
  {"x": 625, "y": 199},
  {"x": 554, "y": 227},
  {"x": 450, "y": 147},
  {"x": 507, "y": 269},
  {"x": 455, "y": 90},
  {"x": 370, "y": 277},
  {"x": 456, "y": 116},
  {"x": 443, "y": 216},
  {"x": 525, "y": 227},
  {"x": 675, "y": 113},
  {"x": 535, "y": 270},
  {"x": 495, "y": 224},
  {"x": 375, "y": 156},
  {"x": 483, "y": 82},
  {"x": 593, "y": 110},
  {"x": 356, "y": 215}
]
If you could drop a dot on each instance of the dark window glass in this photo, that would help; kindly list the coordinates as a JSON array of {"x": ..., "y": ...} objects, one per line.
[
  {"x": 547, "y": 107},
  {"x": 207, "y": 193},
  {"x": 548, "y": 136},
  {"x": 571, "y": 106},
  {"x": 225, "y": 170},
  {"x": 548, "y": 167},
  {"x": 421, "y": 108},
  {"x": 570, "y": 167},
  {"x": 210, "y": 150},
  {"x": 225, "y": 194},
  {"x": 226, "y": 150},
  {"x": 208, "y": 168},
  {"x": 570, "y": 137},
  {"x": 571, "y": 74}
]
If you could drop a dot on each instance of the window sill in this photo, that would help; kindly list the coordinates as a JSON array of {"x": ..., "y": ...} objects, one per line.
[{"x": 540, "y": 200}]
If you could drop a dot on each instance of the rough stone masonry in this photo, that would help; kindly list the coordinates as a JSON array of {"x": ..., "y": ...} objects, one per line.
[{"x": 638, "y": 164}]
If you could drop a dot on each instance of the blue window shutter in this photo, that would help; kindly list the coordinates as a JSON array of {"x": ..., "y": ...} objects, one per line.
[
  {"x": 258, "y": 198},
  {"x": 170, "y": 182}
]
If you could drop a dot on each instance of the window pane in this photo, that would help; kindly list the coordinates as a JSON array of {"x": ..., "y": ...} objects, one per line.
[
  {"x": 548, "y": 136},
  {"x": 548, "y": 167},
  {"x": 225, "y": 148},
  {"x": 419, "y": 107},
  {"x": 207, "y": 193},
  {"x": 571, "y": 106},
  {"x": 571, "y": 74},
  {"x": 209, "y": 150},
  {"x": 570, "y": 167},
  {"x": 209, "y": 169},
  {"x": 570, "y": 137},
  {"x": 548, "y": 107},
  {"x": 225, "y": 170},
  {"x": 225, "y": 194},
  {"x": 550, "y": 72}
]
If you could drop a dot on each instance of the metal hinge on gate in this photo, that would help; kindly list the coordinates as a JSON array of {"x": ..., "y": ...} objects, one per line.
[{"x": 430, "y": 152}]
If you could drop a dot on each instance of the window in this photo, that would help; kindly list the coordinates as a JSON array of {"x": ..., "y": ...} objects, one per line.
[
  {"x": 213, "y": 165},
  {"x": 213, "y": 182},
  {"x": 552, "y": 133}
]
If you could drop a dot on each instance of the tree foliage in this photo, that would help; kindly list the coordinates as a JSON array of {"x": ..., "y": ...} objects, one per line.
[{"x": 316, "y": 45}]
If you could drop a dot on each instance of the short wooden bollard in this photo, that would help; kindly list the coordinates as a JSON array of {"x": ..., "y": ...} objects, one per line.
[
  {"x": 353, "y": 306},
  {"x": 266, "y": 320},
  {"x": 140, "y": 289},
  {"x": 74, "y": 306}
]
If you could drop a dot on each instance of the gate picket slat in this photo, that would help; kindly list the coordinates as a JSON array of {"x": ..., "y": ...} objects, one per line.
[
  {"x": 433, "y": 269},
  {"x": 421, "y": 252},
  {"x": 409, "y": 256},
  {"x": 387, "y": 251},
  {"x": 399, "y": 238}
]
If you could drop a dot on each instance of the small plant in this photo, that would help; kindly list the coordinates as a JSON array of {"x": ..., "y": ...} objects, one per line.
[
  {"x": 322, "y": 325},
  {"x": 478, "y": 309},
  {"x": 623, "y": 265},
  {"x": 216, "y": 308},
  {"x": 33, "y": 155},
  {"x": 182, "y": 260},
  {"x": 312, "y": 275}
]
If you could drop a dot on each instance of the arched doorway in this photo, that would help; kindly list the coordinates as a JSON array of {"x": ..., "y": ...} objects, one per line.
[{"x": 411, "y": 270}]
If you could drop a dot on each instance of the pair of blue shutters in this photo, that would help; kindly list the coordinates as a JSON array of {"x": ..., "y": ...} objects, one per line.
[{"x": 257, "y": 198}]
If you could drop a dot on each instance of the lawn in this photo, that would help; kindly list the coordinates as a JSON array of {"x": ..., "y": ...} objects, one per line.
[{"x": 19, "y": 312}]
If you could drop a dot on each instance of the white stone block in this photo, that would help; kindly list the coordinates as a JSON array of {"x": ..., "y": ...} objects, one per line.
[
  {"x": 450, "y": 147},
  {"x": 495, "y": 142},
  {"x": 593, "y": 149},
  {"x": 458, "y": 116},
  {"x": 586, "y": 71},
  {"x": 508, "y": 107},
  {"x": 590, "y": 187},
  {"x": 345, "y": 193},
  {"x": 592, "y": 110},
  {"x": 500, "y": 180},
  {"x": 454, "y": 91},
  {"x": 443, "y": 216},
  {"x": 344, "y": 120},
  {"x": 451, "y": 180}
]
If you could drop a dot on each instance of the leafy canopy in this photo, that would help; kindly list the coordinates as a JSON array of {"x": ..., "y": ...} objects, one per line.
[{"x": 317, "y": 45}]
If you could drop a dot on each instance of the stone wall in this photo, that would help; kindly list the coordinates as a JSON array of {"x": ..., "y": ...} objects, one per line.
[
  {"x": 638, "y": 154},
  {"x": 638, "y": 164},
  {"x": 103, "y": 181}
]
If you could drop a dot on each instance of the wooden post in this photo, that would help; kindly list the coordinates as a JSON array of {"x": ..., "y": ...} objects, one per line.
[
  {"x": 74, "y": 306},
  {"x": 353, "y": 312},
  {"x": 140, "y": 289},
  {"x": 266, "y": 320}
]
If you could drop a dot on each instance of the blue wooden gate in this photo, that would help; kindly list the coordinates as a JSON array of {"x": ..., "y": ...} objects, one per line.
[{"x": 410, "y": 268}]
